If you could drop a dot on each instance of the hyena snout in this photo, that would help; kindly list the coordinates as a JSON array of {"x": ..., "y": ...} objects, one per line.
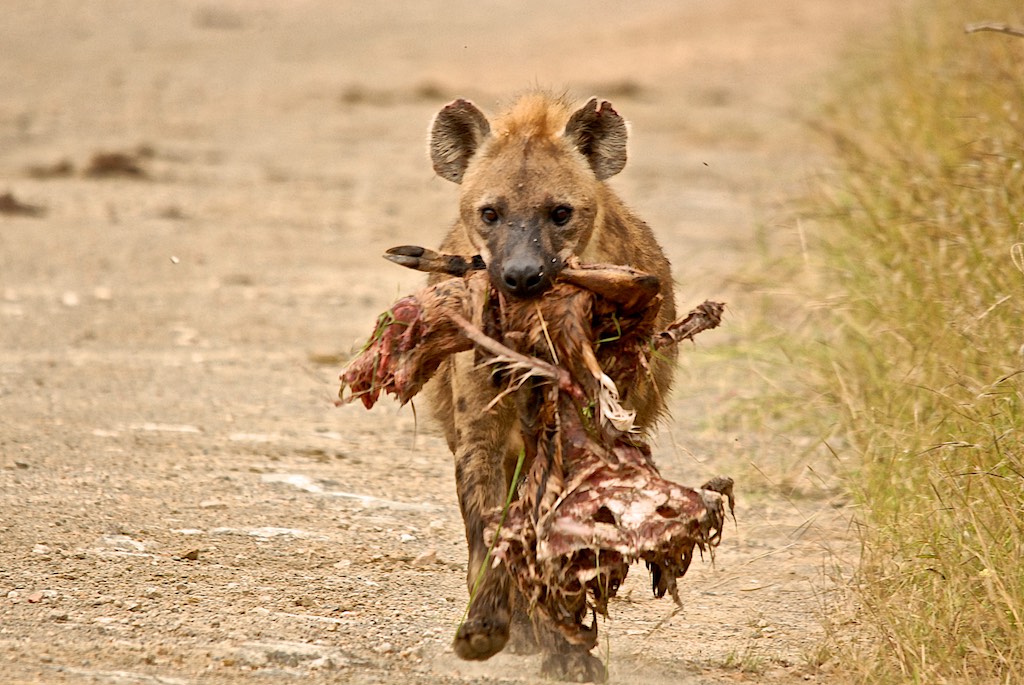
[
  {"x": 522, "y": 265},
  {"x": 525, "y": 276}
]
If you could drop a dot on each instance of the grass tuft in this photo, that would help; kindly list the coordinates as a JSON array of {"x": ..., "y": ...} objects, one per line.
[{"x": 917, "y": 246}]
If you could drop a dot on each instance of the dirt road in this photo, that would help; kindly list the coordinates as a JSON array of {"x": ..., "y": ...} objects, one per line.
[{"x": 199, "y": 192}]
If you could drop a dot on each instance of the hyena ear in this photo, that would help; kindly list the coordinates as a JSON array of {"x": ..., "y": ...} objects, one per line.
[
  {"x": 599, "y": 133},
  {"x": 456, "y": 133}
]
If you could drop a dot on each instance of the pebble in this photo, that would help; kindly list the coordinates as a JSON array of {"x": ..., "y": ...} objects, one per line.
[
  {"x": 323, "y": 664},
  {"x": 70, "y": 298},
  {"x": 414, "y": 652},
  {"x": 122, "y": 543},
  {"x": 426, "y": 559},
  {"x": 39, "y": 595},
  {"x": 41, "y": 549}
]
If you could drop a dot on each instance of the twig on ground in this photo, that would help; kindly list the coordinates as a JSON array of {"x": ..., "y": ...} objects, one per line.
[{"x": 995, "y": 27}]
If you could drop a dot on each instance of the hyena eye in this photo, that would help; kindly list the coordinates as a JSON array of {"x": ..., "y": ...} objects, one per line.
[
  {"x": 560, "y": 215},
  {"x": 489, "y": 215}
]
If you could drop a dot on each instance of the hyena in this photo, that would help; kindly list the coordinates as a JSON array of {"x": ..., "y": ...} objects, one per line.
[{"x": 533, "y": 194}]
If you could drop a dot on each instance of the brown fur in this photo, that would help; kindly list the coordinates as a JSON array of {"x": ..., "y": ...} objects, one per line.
[{"x": 537, "y": 156}]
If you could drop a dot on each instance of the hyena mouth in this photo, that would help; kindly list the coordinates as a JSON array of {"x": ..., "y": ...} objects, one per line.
[{"x": 526, "y": 276}]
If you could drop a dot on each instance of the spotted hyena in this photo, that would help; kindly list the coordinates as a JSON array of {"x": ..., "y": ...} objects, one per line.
[{"x": 533, "y": 194}]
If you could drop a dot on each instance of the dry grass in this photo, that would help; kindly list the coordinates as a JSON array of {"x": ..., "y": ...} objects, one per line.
[{"x": 918, "y": 250}]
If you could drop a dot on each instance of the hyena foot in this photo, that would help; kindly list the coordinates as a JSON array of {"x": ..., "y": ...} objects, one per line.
[
  {"x": 573, "y": 666},
  {"x": 522, "y": 638},
  {"x": 482, "y": 636}
]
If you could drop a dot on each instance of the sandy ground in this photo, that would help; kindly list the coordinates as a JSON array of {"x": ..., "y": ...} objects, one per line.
[{"x": 180, "y": 501}]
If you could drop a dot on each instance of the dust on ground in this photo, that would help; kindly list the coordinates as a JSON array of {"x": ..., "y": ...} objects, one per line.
[{"x": 199, "y": 193}]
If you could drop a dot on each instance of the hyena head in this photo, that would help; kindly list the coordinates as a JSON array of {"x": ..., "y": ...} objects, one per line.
[{"x": 532, "y": 184}]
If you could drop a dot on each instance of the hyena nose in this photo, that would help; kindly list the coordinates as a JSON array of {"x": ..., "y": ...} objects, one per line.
[{"x": 524, "y": 278}]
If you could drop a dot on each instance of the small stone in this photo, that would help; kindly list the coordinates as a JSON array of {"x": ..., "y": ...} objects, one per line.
[
  {"x": 123, "y": 543},
  {"x": 323, "y": 664},
  {"x": 34, "y": 597},
  {"x": 190, "y": 555},
  {"x": 58, "y": 615},
  {"x": 405, "y": 537},
  {"x": 151, "y": 592},
  {"x": 305, "y": 601},
  {"x": 415, "y": 652},
  {"x": 426, "y": 559},
  {"x": 41, "y": 549},
  {"x": 384, "y": 648},
  {"x": 70, "y": 298},
  {"x": 212, "y": 504}
]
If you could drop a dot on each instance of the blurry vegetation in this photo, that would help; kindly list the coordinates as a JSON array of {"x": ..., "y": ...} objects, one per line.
[{"x": 917, "y": 250}]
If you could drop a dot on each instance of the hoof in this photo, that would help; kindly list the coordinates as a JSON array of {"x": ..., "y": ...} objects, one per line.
[
  {"x": 574, "y": 667},
  {"x": 480, "y": 638}
]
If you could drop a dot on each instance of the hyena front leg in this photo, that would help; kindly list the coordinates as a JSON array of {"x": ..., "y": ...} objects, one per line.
[{"x": 486, "y": 445}]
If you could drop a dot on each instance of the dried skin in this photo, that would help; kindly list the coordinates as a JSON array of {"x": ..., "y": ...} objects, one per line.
[
  {"x": 592, "y": 502},
  {"x": 411, "y": 340},
  {"x": 572, "y": 535}
]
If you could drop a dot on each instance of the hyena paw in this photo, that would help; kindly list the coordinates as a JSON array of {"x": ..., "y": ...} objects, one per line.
[
  {"x": 481, "y": 638},
  {"x": 522, "y": 639},
  {"x": 576, "y": 666}
]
